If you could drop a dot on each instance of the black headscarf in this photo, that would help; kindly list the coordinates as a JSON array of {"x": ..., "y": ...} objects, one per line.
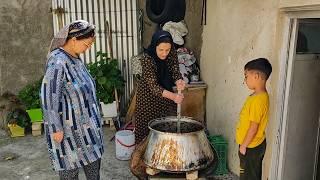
[{"x": 163, "y": 75}]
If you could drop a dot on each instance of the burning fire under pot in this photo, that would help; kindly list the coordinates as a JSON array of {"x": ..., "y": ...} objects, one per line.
[{"x": 170, "y": 151}]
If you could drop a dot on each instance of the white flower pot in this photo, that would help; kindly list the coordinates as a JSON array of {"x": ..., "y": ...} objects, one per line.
[{"x": 109, "y": 110}]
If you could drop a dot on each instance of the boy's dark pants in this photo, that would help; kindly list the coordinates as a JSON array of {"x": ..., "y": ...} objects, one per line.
[{"x": 251, "y": 162}]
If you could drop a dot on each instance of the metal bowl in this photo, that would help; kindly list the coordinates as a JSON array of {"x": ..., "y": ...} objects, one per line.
[{"x": 170, "y": 151}]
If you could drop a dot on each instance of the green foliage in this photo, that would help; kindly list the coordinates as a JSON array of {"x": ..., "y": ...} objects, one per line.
[
  {"x": 19, "y": 117},
  {"x": 29, "y": 95},
  {"x": 107, "y": 77}
]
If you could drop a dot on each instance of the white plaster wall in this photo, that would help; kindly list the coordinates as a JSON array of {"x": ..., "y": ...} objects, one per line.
[{"x": 236, "y": 32}]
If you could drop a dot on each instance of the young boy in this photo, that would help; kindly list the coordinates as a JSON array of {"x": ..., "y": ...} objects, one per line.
[{"x": 250, "y": 132}]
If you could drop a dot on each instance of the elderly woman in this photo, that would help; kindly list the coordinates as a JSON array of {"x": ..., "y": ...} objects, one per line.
[
  {"x": 160, "y": 72},
  {"x": 72, "y": 121},
  {"x": 155, "y": 96}
]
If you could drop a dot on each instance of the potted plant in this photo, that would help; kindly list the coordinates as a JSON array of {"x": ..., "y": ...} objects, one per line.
[
  {"x": 30, "y": 97},
  {"x": 13, "y": 117},
  {"x": 17, "y": 122},
  {"x": 108, "y": 81}
]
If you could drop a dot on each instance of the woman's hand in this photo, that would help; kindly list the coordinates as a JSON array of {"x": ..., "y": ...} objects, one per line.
[
  {"x": 178, "y": 98},
  {"x": 180, "y": 85},
  {"x": 58, "y": 136}
]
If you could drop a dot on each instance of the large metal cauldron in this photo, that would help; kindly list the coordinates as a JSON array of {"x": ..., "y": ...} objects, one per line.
[{"x": 170, "y": 151}]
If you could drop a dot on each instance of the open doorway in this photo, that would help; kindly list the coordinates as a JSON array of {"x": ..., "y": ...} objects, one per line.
[{"x": 300, "y": 144}]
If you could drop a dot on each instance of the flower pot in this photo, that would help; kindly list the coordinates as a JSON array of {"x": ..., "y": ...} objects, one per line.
[
  {"x": 109, "y": 110},
  {"x": 35, "y": 115},
  {"x": 15, "y": 130}
]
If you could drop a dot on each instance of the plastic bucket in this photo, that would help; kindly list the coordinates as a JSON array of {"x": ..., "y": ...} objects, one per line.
[{"x": 125, "y": 144}]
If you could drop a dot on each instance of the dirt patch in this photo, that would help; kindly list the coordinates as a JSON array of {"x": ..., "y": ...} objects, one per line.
[{"x": 8, "y": 156}]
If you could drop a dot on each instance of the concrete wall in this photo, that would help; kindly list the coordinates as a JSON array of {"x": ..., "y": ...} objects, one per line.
[
  {"x": 26, "y": 31},
  {"x": 236, "y": 32},
  {"x": 193, "y": 39}
]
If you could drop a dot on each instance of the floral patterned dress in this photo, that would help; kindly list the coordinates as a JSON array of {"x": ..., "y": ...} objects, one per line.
[{"x": 150, "y": 103}]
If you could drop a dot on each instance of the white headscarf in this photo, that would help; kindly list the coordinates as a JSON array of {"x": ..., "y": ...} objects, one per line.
[{"x": 74, "y": 29}]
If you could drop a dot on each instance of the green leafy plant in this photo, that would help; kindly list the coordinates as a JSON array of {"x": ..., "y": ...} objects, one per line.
[
  {"x": 29, "y": 95},
  {"x": 107, "y": 77},
  {"x": 19, "y": 117}
]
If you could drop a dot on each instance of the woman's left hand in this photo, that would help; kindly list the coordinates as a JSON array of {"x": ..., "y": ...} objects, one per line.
[
  {"x": 180, "y": 85},
  {"x": 58, "y": 136}
]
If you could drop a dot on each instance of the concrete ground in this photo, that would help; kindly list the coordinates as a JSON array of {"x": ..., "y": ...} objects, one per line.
[
  {"x": 31, "y": 160},
  {"x": 26, "y": 158}
]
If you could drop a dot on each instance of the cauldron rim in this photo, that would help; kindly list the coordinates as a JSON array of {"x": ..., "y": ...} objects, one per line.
[{"x": 173, "y": 119}]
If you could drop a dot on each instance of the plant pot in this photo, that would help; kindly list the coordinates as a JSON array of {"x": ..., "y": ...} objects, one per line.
[
  {"x": 15, "y": 130},
  {"x": 35, "y": 115},
  {"x": 109, "y": 110}
]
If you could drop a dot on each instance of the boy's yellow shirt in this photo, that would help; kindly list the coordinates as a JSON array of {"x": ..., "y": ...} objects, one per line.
[{"x": 256, "y": 109}]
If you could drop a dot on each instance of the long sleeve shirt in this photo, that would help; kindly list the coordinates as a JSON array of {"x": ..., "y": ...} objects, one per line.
[{"x": 70, "y": 105}]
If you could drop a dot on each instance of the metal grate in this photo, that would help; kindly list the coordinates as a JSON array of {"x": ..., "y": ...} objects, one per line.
[{"x": 123, "y": 18}]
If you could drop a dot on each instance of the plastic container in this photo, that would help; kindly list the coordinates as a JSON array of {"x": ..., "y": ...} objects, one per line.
[
  {"x": 35, "y": 115},
  {"x": 109, "y": 110},
  {"x": 220, "y": 145},
  {"x": 15, "y": 130},
  {"x": 125, "y": 144}
]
